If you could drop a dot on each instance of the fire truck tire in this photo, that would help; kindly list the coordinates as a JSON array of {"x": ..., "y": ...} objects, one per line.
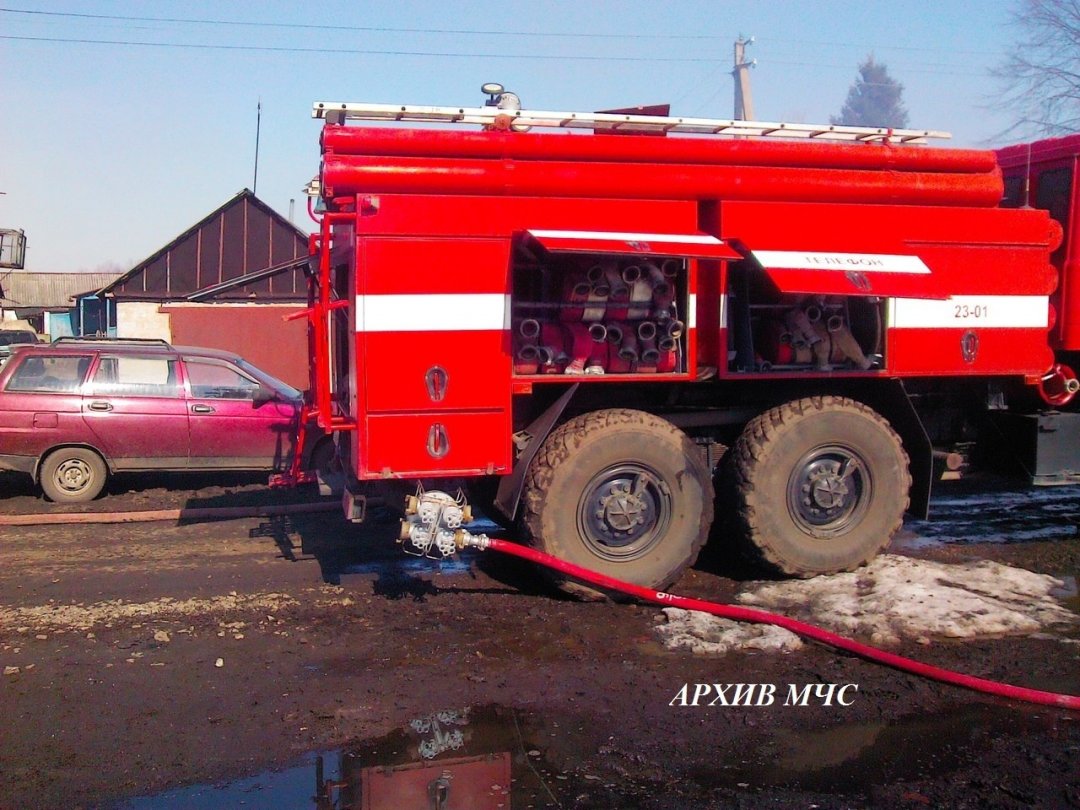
[
  {"x": 621, "y": 492},
  {"x": 72, "y": 475},
  {"x": 821, "y": 486}
]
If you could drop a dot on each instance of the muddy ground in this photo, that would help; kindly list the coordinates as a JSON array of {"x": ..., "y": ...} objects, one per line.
[{"x": 225, "y": 664}]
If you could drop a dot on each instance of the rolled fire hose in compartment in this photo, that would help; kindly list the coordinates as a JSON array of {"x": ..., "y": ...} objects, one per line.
[
  {"x": 434, "y": 526},
  {"x": 575, "y": 315}
]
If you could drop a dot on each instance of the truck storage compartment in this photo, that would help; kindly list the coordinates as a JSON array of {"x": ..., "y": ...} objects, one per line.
[
  {"x": 581, "y": 314},
  {"x": 599, "y": 303},
  {"x": 604, "y": 314},
  {"x": 772, "y": 330},
  {"x": 432, "y": 364},
  {"x": 433, "y": 443},
  {"x": 1043, "y": 447}
]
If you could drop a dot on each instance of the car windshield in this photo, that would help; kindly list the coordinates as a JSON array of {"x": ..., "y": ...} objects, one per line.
[{"x": 269, "y": 380}]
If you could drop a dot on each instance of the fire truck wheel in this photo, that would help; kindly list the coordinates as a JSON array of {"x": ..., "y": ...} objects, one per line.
[
  {"x": 73, "y": 475},
  {"x": 620, "y": 492},
  {"x": 821, "y": 485}
]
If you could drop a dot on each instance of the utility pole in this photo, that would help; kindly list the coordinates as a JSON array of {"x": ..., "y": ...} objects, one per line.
[
  {"x": 744, "y": 102},
  {"x": 258, "y": 126}
]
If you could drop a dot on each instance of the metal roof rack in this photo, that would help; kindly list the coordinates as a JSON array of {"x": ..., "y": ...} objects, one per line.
[
  {"x": 112, "y": 341},
  {"x": 340, "y": 112}
]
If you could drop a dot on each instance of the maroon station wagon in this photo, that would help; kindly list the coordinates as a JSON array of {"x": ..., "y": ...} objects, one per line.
[{"x": 75, "y": 411}]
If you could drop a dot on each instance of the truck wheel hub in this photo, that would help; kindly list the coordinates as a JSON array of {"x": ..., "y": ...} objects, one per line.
[
  {"x": 624, "y": 511},
  {"x": 829, "y": 491}
]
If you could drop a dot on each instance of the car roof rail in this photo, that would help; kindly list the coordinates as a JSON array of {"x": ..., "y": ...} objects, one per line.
[{"x": 112, "y": 340}]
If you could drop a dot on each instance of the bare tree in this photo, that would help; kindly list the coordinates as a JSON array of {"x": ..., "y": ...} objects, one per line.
[{"x": 1041, "y": 79}]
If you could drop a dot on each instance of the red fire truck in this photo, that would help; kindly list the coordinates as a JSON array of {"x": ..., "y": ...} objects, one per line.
[{"x": 580, "y": 313}]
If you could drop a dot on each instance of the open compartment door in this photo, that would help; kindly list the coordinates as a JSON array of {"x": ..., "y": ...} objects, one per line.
[
  {"x": 887, "y": 275},
  {"x": 676, "y": 245}
]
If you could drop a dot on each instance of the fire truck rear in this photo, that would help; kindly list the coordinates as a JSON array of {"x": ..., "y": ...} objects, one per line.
[{"x": 579, "y": 314}]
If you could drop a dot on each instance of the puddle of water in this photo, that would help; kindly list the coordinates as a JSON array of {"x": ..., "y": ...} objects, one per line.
[
  {"x": 497, "y": 758},
  {"x": 412, "y": 565},
  {"x": 286, "y": 789},
  {"x": 483, "y": 758},
  {"x": 1007, "y": 516}
]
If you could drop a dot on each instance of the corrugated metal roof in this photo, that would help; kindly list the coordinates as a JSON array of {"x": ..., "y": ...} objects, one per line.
[
  {"x": 49, "y": 290},
  {"x": 242, "y": 236}
]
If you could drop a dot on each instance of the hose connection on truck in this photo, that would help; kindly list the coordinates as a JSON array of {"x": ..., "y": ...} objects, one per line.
[{"x": 433, "y": 525}]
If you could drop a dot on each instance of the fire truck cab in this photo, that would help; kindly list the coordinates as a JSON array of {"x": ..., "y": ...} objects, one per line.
[{"x": 615, "y": 326}]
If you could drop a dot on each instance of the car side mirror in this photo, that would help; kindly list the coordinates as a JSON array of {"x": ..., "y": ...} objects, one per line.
[{"x": 262, "y": 395}]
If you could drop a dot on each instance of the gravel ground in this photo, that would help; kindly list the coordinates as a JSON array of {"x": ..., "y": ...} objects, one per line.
[{"x": 144, "y": 659}]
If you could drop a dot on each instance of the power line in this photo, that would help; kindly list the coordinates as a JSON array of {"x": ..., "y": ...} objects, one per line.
[
  {"x": 467, "y": 31},
  {"x": 876, "y": 48},
  {"x": 439, "y": 54},
  {"x": 341, "y": 27},
  {"x": 357, "y": 51}
]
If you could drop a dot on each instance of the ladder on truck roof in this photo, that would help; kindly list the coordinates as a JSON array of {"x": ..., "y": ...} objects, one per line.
[{"x": 340, "y": 112}]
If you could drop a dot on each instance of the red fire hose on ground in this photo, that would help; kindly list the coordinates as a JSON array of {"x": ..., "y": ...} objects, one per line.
[{"x": 763, "y": 617}]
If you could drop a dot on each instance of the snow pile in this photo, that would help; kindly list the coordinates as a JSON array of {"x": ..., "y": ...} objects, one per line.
[
  {"x": 710, "y": 635},
  {"x": 892, "y": 599}
]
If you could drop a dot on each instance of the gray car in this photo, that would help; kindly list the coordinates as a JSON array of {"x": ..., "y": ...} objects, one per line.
[{"x": 14, "y": 337}]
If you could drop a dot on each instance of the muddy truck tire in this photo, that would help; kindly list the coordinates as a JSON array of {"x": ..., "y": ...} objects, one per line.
[
  {"x": 820, "y": 485},
  {"x": 621, "y": 492}
]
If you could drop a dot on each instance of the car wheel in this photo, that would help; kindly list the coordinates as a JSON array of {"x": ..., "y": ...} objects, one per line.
[
  {"x": 821, "y": 486},
  {"x": 621, "y": 492},
  {"x": 73, "y": 475}
]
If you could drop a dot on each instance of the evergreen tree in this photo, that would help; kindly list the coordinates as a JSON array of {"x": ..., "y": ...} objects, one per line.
[{"x": 874, "y": 100}]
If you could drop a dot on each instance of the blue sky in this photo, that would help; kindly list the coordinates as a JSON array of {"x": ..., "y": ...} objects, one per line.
[{"x": 108, "y": 151}]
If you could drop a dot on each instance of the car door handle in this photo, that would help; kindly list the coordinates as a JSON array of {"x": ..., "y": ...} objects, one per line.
[
  {"x": 201, "y": 409},
  {"x": 100, "y": 406}
]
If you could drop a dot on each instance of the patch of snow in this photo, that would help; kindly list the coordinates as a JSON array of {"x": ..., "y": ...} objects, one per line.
[
  {"x": 706, "y": 634},
  {"x": 892, "y": 599}
]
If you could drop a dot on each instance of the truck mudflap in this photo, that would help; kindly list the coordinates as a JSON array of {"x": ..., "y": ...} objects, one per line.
[
  {"x": 892, "y": 401},
  {"x": 511, "y": 486}
]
